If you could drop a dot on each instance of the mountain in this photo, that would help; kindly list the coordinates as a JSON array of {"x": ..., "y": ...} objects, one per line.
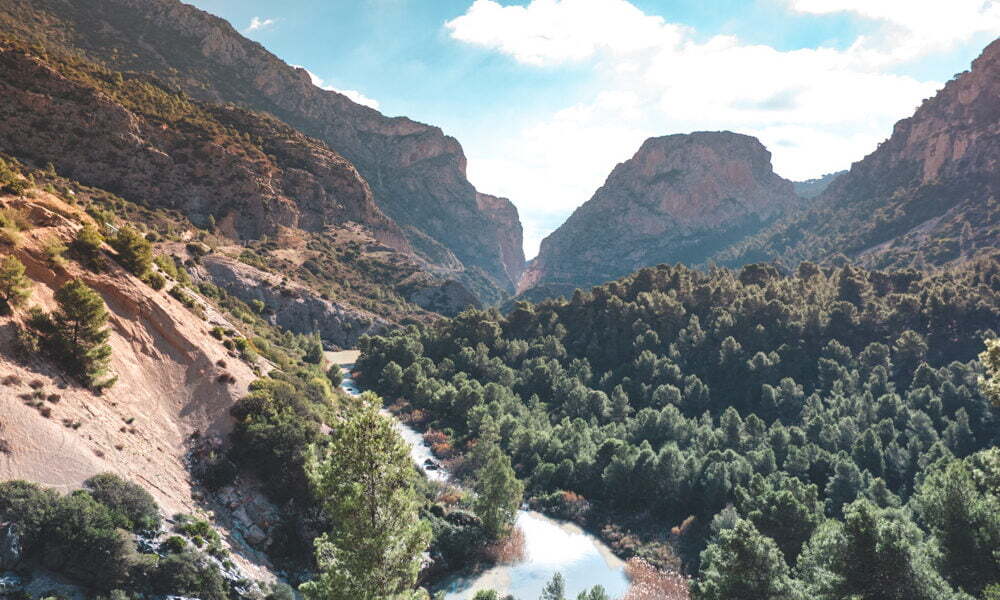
[
  {"x": 417, "y": 174},
  {"x": 681, "y": 198},
  {"x": 810, "y": 188},
  {"x": 927, "y": 195}
]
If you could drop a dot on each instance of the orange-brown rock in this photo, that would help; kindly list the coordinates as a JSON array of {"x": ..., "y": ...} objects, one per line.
[
  {"x": 418, "y": 174},
  {"x": 679, "y": 199},
  {"x": 930, "y": 194}
]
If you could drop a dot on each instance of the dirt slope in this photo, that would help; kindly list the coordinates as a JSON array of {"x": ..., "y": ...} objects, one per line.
[{"x": 167, "y": 385}]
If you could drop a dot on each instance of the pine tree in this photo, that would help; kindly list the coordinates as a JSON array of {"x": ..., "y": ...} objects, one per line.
[
  {"x": 555, "y": 589},
  {"x": 14, "y": 286},
  {"x": 365, "y": 479},
  {"x": 874, "y": 554},
  {"x": 498, "y": 492},
  {"x": 87, "y": 247},
  {"x": 744, "y": 564},
  {"x": 134, "y": 251},
  {"x": 965, "y": 520},
  {"x": 80, "y": 325}
]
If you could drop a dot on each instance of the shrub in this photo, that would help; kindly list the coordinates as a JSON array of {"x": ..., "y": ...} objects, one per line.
[
  {"x": 15, "y": 288},
  {"x": 134, "y": 251},
  {"x": 18, "y": 187},
  {"x": 87, "y": 247},
  {"x": 155, "y": 280},
  {"x": 127, "y": 499},
  {"x": 53, "y": 249},
  {"x": 174, "y": 544}
]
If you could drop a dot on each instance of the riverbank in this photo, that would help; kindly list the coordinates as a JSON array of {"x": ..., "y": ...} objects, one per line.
[{"x": 550, "y": 546}]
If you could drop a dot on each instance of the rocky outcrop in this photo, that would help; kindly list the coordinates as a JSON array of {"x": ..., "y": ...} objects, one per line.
[
  {"x": 679, "y": 199},
  {"x": 185, "y": 158},
  {"x": 928, "y": 194},
  {"x": 418, "y": 174},
  {"x": 289, "y": 305}
]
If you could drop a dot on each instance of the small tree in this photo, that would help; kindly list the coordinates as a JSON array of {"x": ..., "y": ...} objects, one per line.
[
  {"x": 555, "y": 589},
  {"x": 134, "y": 251},
  {"x": 80, "y": 328},
  {"x": 744, "y": 564},
  {"x": 14, "y": 286},
  {"x": 365, "y": 479},
  {"x": 498, "y": 491},
  {"x": 87, "y": 247}
]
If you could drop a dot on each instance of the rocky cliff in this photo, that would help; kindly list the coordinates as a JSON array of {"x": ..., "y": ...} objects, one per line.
[
  {"x": 249, "y": 173},
  {"x": 679, "y": 199},
  {"x": 417, "y": 173},
  {"x": 928, "y": 194}
]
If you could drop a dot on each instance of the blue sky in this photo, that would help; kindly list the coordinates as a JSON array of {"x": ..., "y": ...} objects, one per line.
[{"x": 547, "y": 96}]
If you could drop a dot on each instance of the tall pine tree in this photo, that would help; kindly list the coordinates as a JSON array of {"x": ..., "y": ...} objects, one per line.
[
  {"x": 365, "y": 480},
  {"x": 81, "y": 332}
]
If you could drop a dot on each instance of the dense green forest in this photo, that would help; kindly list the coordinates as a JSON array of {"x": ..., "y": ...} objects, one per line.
[{"x": 823, "y": 430}]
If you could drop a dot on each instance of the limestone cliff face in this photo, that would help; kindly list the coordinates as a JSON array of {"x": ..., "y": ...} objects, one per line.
[
  {"x": 418, "y": 174},
  {"x": 190, "y": 164},
  {"x": 928, "y": 194},
  {"x": 680, "y": 198}
]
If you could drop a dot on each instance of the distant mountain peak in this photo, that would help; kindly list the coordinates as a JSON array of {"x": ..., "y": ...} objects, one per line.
[{"x": 678, "y": 199}]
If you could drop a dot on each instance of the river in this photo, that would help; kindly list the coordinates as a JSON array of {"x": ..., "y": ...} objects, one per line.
[{"x": 551, "y": 546}]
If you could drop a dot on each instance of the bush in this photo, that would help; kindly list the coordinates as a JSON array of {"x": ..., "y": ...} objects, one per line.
[
  {"x": 53, "y": 249},
  {"x": 155, "y": 280},
  {"x": 188, "y": 573},
  {"x": 14, "y": 286},
  {"x": 134, "y": 503},
  {"x": 134, "y": 251},
  {"x": 87, "y": 247},
  {"x": 174, "y": 544}
]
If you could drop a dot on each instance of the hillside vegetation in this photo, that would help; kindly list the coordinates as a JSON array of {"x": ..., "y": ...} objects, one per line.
[{"x": 801, "y": 422}]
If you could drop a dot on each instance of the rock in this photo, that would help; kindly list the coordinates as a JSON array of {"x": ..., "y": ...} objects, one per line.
[
  {"x": 294, "y": 307},
  {"x": 299, "y": 183},
  {"x": 255, "y": 536},
  {"x": 679, "y": 199},
  {"x": 417, "y": 173},
  {"x": 10, "y": 546},
  {"x": 10, "y": 583},
  {"x": 926, "y": 195}
]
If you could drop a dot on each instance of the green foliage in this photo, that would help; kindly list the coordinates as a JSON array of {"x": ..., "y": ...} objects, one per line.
[
  {"x": 964, "y": 516},
  {"x": 53, "y": 249},
  {"x": 366, "y": 482},
  {"x": 744, "y": 564},
  {"x": 79, "y": 336},
  {"x": 659, "y": 397},
  {"x": 82, "y": 538},
  {"x": 874, "y": 554},
  {"x": 15, "y": 288},
  {"x": 155, "y": 280},
  {"x": 134, "y": 251},
  {"x": 555, "y": 589},
  {"x": 990, "y": 383},
  {"x": 87, "y": 247},
  {"x": 783, "y": 508},
  {"x": 133, "y": 503},
  {"x": 498, "y": 492}
]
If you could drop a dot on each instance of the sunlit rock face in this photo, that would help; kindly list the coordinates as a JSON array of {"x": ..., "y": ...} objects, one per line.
[{"x": 679, "y": 199}]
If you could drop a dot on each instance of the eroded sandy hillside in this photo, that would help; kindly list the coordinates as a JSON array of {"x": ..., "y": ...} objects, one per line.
[{"x": 168, "y": 388}]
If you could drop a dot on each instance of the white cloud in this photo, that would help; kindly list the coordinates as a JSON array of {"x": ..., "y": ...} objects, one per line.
[
  {"x": 912, "y": 28},
  {"x": 354, "y": 95},
  {"x": 257, "y": 23},
  {"x": 816, "y": 110}
]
